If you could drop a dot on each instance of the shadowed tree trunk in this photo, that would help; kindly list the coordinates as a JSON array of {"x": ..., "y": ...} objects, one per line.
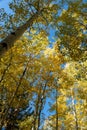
[{"x": 9, "y": 41}]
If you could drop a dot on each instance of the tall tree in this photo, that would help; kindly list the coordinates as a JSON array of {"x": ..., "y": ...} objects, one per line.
[{"x": 34, "y": 11}]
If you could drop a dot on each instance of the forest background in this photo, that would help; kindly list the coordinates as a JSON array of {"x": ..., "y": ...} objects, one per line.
[{"x": 43, "y": 65}]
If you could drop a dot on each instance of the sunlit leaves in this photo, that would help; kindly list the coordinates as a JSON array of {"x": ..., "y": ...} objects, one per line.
[{"x": 31, "y": 71}]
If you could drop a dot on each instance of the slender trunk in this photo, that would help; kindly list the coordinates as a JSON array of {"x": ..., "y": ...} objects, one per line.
[
  {"x": 56, "y": 110},
  {"x": 13, "y": 97},
  {"x": 9, "y": 41},
  {"x": 2, "y": 91},
  {"x": 75, "y": 113},
  {"x": 37, "y": 108},
  {"x": 39, "y": 114},
  {"x": 41, "y": 105}
]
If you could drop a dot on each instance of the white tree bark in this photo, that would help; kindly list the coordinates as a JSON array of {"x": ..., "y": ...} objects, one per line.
[{"x": 9, "y": 41}]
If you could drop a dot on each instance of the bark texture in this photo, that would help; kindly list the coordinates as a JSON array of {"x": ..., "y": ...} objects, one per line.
[{"x": 9, "y": 41}]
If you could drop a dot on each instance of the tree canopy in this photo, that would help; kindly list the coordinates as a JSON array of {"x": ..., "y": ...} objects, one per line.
[{"x": 43, "y": 65}]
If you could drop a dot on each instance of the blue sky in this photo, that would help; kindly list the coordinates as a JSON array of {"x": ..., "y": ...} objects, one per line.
[{"x": 4, "y": 4}]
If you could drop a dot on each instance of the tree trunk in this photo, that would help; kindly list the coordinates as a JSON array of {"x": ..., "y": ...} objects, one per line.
[
  {"x": 9, "y": 41},
  {"x": 42, "y": 97},
  {"x": 56, "y": 109},
  {"x": 74, "y": 112}
]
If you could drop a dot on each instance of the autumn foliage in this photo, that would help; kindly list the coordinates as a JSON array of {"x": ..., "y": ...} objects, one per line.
[{"x": 43, "y": 73}]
